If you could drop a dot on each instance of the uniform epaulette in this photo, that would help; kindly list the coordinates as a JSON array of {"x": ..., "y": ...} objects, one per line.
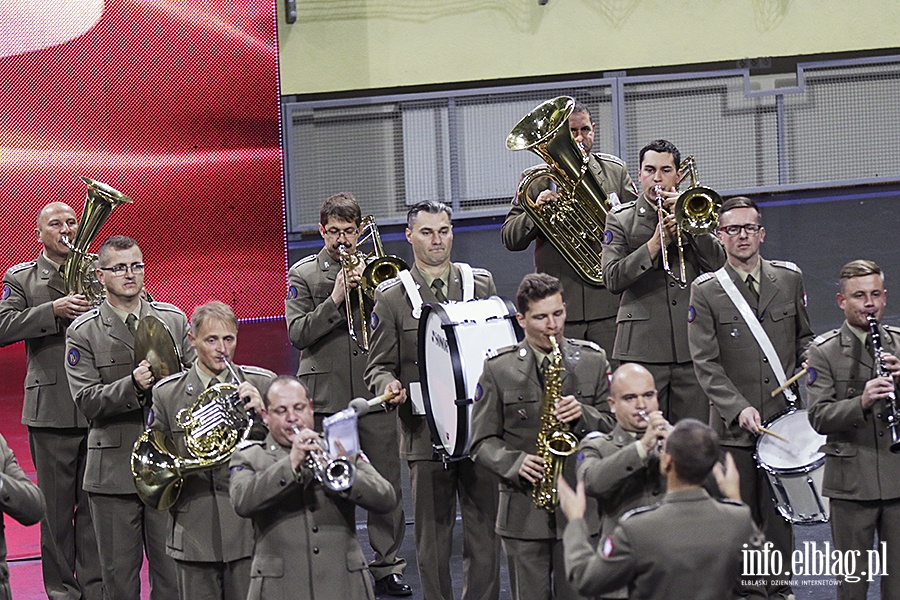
[
  {"x": 480, "y": 271},
  {"x": 623, "y": 206},
  {"x": 91, "y": 314},
  {"x": 821, "y": 339},
  {"x": 585, "y": 343},
  {"x": 303, "y": 261},
  {"x": 786, "y": 264},
  {"x": 384, "y": 285},
  {"x": 610, "y": 158},
  {"x": 891, "y": 328},
  {"x": 592, "y": 435},
  {"x": 172, "y": 377},
  {"x": 21, "y": 266},
  {"x": 255, "y": 370},
  {"x": 730, "y": 501},
  {"x": 704, "y": 277},
  {"x": 166, "y": 307},
  {"x": 503, "y": 350},
  {"x": 639, "y": 510},
  {"x": 250, "y": 443}
]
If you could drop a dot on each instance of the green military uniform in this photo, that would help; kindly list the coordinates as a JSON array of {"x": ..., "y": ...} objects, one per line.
[
  {"x": 306, "y": 544},
  {"x": 652, "y": 317},
  {"x": 332, "y": 367},
  {"x": 860, "y": 470},
  {"x": 436, "y": 485},
  {"x": 57, "y": 431},
  {"x": 211, "y": 545},
  {"x": 99, "y": 362},
  {"x": 734, "y": 372},
  {"x": 590, "y": 309},
  {"x": 621, "y": 477},
  {"x": 688, "y": 546},
  {"x": 506, "y": 420}
]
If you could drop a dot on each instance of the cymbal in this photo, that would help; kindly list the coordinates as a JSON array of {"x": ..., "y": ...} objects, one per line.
[{"x": 154, "y": 342}]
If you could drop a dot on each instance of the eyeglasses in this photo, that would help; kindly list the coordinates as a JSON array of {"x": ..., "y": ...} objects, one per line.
[
  {"x": 750, "y": 228},
  {"x": 339, "y": 232},
  {"x": 119, "y": 270}
]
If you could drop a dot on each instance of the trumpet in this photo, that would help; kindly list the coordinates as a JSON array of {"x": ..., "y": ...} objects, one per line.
[
  {"x": 667, "y": 427},
  {"x": 696, "y": 212},
  {"x": 379, "y": 267},
  {"x": 336, "y": 474}
]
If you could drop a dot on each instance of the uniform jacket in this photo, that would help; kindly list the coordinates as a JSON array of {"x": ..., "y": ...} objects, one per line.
[
  {"x": 203, "y": 526},
  {"x": 19, "y": 498},
  {"x": 730, "y": 365},
  {"x": 506, "y": 419},
  {"x": 858, "y": 462},
  {"x": 26, "y": 313},
  {"x": 584, "y": 301},
  {"x": 331, "y": 364},
  {"x": 306, "y": 544},
  {"x": 688, "y": 546},
  {"x": 99, "y": 362},
  {"x": 652, "y": 317},
  {"x": 615, "y": 474},
  {"x": 394, "y": 349}
]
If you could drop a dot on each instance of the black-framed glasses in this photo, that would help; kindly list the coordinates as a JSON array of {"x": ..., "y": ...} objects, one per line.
[
  {"x": 120, "y": 270},
  {"x": 339, "y": 232},
  {"x": 750, "y": 228}
]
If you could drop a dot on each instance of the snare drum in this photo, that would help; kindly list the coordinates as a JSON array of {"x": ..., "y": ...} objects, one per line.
[
  {"x": 794, "y": 468},
  {"x": 454, "y": 340}
]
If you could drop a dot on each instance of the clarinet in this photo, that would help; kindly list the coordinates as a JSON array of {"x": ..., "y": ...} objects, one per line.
[{"x": 893, "y": 419}]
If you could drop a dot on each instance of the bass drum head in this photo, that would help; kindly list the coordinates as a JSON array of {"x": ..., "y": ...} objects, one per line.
[{"x": 454, "y": 340}]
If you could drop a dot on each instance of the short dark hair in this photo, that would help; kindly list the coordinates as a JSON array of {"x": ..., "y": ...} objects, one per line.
[
  {"x": 663, "y": 147},
  {"x": 859, "y": 268},
  {"x": 283, "y": 380},
  {"x": 342, "y": 206},
  {"x": 739, "y": 202},
  {"x": 581, "y": 107},
  {"x": 694, "y": 448},
  {"x": 116, "y": 242},
  {"x": 429, "y": 206},
  {"x": 534, "y": 287},
  {"x": 212, "y": 311}
]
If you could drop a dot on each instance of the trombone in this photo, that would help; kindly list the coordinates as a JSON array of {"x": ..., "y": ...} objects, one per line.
[
  {"x": 379, "y": 267},
  {"x": 696, "y": 212}
]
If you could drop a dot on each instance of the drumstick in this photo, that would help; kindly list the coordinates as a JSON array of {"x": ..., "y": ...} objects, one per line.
[
  {"x": 773, "y": 434},
  {"x": 788, "y": 383}
]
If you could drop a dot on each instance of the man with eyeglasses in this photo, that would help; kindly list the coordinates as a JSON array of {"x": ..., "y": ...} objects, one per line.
[
  {"x": 748, "y": 331},
  {"x": 112, "y": 388},
  {"x": 332, "y": 367},
  {"x": 590, "y": 309},
  {"x": 35, "y": 307}
]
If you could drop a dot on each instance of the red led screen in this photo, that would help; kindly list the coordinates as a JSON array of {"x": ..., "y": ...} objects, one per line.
[{"x": 173, "y": 103}]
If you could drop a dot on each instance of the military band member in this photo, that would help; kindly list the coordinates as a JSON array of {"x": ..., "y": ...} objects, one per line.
[
  {"x": 731, "y": 364},
  {"x": 849, "y": 402},
  {"x": 688, "y": 546},
  {"x": 393, "y": 366},
  {"x": 652, "y": 317},
  {"x": 115, "y": 396},
  {"x": 210, "y": 543},
  {"x": 590, "y": 309},
  {"x": 621, "y": 468},
  {"x": 506, "y": 421},
  {"x": 21, "y": 500},
  {"x": 332, "y": 367},
  {"x": 306, "y": 544},
  {"x": 34, "y": 307}
]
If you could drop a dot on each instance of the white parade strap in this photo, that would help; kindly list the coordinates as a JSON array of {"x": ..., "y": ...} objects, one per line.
[
  {"x": 468, "y": 281},
  {"x": 412, "y": 292},
  {"x": 756, "y": 329}
]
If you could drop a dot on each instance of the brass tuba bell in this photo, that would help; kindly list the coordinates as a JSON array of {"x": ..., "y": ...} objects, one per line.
[
  {"x": 574, "y": 224},
  {"x": 79, "y": 274}
]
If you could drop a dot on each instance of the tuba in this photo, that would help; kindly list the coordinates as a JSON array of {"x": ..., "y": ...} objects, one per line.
[
  {"x": 574, "y": 224},
  {"x": 214, "y": 427},
  {"x": 379, "y": 267},
  {"x": 555, "y": 442},
  {"x": 79, "y": 272}
]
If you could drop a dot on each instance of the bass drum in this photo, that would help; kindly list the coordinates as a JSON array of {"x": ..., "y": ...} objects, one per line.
[{"x": 454, "y": 340}]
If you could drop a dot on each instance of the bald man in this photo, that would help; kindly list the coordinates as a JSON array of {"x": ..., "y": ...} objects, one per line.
[{"x": 35, "y": 307}]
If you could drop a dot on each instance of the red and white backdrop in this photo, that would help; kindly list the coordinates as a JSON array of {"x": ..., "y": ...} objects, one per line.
[{"x": 175, "y": 104}]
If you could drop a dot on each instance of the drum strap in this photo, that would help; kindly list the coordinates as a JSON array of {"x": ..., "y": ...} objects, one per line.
[
  {"x": 415, "y": 298},
  {"x": 468, "y": 281},
  {"x": 759, "y": 333}
]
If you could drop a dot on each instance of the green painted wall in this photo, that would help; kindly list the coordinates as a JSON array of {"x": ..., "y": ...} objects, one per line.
[{"x": 339, "y": 45}]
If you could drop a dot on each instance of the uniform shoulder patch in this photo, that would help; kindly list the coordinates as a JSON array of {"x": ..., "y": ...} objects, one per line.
[
  {"x": 609, "y": 158},
  {"x": 639, "y": 510},
  {"x": 584, "y": 343},
  {"x": 303, "y": 261},
  {"x": 786, "y": 264},
  {"x": 21, "y": 267},
  {"x": 821, "y": 339},
  {"x": 88, "y": 316},
  {"x": 623, "y": 206},
  {"x": 388, "y": 284},
  {"x": 704, "y": 278}
]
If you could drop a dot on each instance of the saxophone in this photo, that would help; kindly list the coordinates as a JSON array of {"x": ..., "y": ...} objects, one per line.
[{"x": 554, "y": 442}]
